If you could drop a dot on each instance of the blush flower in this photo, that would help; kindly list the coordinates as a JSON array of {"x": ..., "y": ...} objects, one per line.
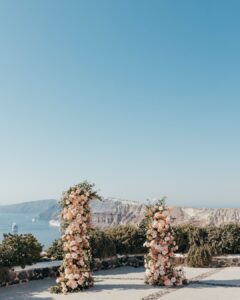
[
  {"x": 161, "y": 246},
  {"x": 75, "y": 270}
]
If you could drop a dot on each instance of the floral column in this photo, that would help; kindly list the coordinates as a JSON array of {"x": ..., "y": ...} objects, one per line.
[
  {"x": 75, "y": 272},
  {"x": 159, "y": 262}
]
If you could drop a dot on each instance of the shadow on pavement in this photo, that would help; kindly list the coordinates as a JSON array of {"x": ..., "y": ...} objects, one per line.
[
  {"x": 27, "y": 291},
  {"x": 215, "y": 283}
]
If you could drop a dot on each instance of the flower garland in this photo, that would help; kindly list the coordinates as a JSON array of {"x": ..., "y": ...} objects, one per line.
[
  {"x": 159, "y": 262},
  {"x": 75, "y": 272}
]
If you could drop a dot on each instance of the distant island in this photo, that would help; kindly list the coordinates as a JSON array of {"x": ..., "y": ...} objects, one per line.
[{"x": 29, "y": 207}]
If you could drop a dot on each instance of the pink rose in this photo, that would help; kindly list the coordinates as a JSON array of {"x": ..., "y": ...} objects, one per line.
[
  {"x": 168, "y": 282},
  {"x": 72, "y": 284}
]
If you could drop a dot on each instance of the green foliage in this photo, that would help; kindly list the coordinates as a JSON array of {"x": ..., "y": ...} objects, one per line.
[
  {"x": 122, "y": 239},
  {"x": 55, "y": 251},
  {"x": 182, "y": 237},
  {"x": 205, "y": 242},
  {"x": 4, "y": 274},
  {"x": 215, "y": 240},
  {"x": 56, "y": 289},
  {"x": 128, "y": 239},
  {"x": 19, "y": 250},
  {"x": 231, "y": 239},
  {"x": 101, "y": 244},
  {"x": 220, "y": 240},
  {"x": 199, "y": 256},
  {"x": 142, "y": 231},
  {"x": 198, "y": 236},
  {"x": 224, "y": 239},
  {"x": 144, "y": 225}
]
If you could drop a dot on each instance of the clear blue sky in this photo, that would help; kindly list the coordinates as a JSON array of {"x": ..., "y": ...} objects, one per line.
[{"x": 140, "y": 97}]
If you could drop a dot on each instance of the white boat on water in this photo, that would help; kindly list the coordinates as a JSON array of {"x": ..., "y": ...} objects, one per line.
[
  {"x": 14, "y": 228},
  {"x": 54, "y": 223}
]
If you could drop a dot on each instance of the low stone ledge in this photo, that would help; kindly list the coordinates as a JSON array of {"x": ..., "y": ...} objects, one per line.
[
  {"x": 222, "y": 261},
  {"x": 16, "y": 277},
  {"x": 226, "y": 261},
  {"x": 37, "y": 273}
]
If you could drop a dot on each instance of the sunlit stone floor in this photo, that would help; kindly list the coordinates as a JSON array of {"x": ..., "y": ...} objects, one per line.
[{"x": 127, "y": 283}]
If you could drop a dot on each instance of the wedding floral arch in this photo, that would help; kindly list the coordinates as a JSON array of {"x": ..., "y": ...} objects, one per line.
[
  {"x": 75, "y": 271},
  {"x": 159, "y": 262}
]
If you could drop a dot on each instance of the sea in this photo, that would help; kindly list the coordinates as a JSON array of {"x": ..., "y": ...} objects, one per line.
[{"x": 28, "y": 223}]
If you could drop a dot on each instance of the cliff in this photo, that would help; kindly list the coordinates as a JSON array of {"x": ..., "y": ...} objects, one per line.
[
  {"x": 206, "y": 216},
  {"x": 28, "y": 207},
  {"x": 108, "y": 212},
  {"x": 112, "y": 211}
]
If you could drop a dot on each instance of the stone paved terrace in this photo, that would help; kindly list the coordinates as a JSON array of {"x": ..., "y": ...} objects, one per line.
[{"x": 127, "y": 283}]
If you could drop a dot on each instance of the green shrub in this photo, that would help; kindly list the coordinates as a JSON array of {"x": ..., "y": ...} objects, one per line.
[
  {"x": 4, "y": 274},
  {"x": 141, "y": 236},
  {"x": 55, "y": 251},
  {"x": 200, "y": 253},
  {"x": 101, "y": 244},
  {"x": 182, "y": 237},
  {"x": 224, "y": 239},
  {"x": 215, "y": 240},
  {"x": 19, "y": 250},
  {"x": 198, "y": 236},
  {"x": 199, "y": 256},
  {"x": 230, "y": 239},
  {"x": 128, "y": 239}
]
